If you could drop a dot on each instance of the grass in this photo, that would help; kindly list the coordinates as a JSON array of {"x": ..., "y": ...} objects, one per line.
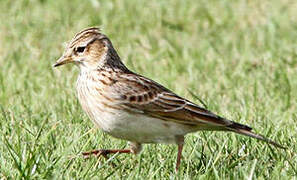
[{"x": 239, "y": 57}]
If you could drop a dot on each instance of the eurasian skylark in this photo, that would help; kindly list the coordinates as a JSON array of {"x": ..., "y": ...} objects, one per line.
[{"x": 129, "y": 106}]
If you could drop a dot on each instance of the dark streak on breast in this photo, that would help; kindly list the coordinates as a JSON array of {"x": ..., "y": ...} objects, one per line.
[
  {"x": 103, "y": 95},
  {"x": 104, "y": 82}
]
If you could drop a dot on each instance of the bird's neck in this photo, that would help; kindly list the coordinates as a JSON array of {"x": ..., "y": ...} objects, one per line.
[{"x": 113, "y": 62}]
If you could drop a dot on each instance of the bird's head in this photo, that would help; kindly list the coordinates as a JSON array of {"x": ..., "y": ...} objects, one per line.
[{"x": 89, "y": 49}]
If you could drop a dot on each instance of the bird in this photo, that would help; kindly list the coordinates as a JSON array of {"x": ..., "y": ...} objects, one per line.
[{"x": 131, "y": 107}]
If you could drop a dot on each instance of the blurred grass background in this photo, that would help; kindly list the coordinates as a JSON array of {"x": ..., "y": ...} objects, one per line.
[{"x": 240, "y": 57}]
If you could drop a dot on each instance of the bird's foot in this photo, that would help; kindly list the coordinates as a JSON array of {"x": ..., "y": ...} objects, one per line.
[{"x": 104, "y": 152}]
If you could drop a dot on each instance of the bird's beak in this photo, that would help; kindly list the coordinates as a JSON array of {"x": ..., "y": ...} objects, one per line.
[{"x": 62, "y": 60}]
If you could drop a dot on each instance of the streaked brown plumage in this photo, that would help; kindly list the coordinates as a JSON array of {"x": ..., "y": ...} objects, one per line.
[{"x": 132, "y": 107}]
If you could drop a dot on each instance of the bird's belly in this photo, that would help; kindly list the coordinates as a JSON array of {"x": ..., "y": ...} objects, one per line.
[{"x": 140, "y": 128}]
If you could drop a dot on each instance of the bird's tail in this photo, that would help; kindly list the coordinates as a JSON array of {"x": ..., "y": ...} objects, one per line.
[{"x": 247, "y": 131}]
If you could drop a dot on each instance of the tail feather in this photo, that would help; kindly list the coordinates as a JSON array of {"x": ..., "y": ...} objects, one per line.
[
  {"x": 246, "y": 130},
  {"x": 236, "y": 125}
]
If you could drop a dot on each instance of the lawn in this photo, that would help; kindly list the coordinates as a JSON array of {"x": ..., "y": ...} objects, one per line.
[{"x": 239, "y": 57}]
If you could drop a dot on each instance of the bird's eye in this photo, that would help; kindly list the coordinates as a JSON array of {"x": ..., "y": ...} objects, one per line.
[{"x": 80, "y": 49}]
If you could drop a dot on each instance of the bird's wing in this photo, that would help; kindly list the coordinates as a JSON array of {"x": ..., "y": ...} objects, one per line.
[{"x": 138, "y": 94}]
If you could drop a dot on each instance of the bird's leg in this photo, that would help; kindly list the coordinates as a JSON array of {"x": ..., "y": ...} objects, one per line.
[
  {"x": 134, "y": 148},
  {"x": 179, "y": 153}
]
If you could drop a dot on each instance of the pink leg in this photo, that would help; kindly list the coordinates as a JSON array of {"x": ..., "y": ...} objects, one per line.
[
  {"x": 179, "y": 156},
  {"x": 180, "y": 143}
]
